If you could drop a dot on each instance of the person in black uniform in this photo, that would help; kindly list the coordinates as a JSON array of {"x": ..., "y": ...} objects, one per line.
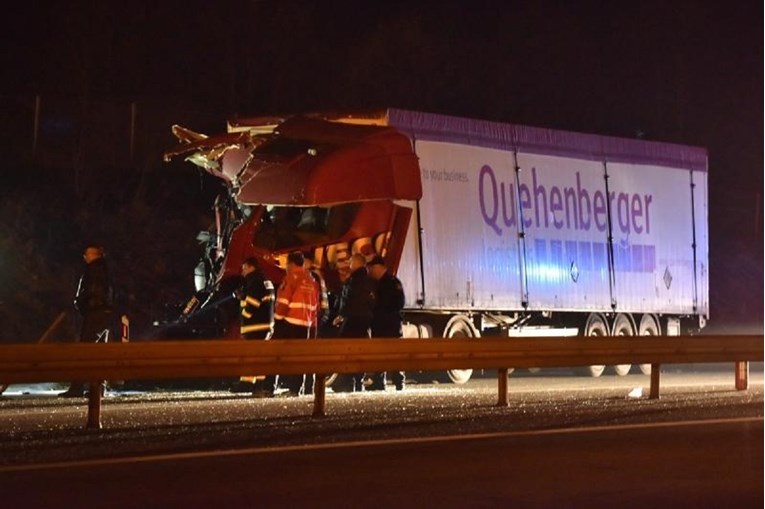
[
  {"x": 354, "y": 310},
  {"x": 386, "y": 315},
  {"x": 256, "y": 300},
  {"x": 94, "y": 300}
]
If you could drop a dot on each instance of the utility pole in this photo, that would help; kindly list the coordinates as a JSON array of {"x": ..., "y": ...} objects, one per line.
[
  {"x": 757, "y": 215},
  {"x": 133, "y": 113},
  {"x": 36, "y": 126}
]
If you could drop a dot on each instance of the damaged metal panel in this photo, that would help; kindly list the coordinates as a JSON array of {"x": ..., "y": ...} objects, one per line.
[{"x": 306, "y": 162}]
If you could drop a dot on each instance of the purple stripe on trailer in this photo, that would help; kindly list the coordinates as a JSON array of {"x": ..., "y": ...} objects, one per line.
[{"x": 482, "y": 133}]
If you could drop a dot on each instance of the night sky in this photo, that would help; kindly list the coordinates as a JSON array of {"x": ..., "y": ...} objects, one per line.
[{"x": 677, "y": 71}]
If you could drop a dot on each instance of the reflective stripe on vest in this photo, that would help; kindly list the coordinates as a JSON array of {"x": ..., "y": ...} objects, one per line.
[
  {"x": 252, "y": 301},
  {"x": 257, "y": 327},
  {"x": 297, "y": 321}
]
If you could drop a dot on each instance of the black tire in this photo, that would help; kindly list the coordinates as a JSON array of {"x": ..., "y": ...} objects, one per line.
[
  {"x": 596, "y": 327},
  {"x": 649, "y": 326},
  {"x": 623, "y": 326},
  {"x": 460, "y": 326}
]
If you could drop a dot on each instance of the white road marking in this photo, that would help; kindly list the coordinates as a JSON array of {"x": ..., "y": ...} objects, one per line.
[{"x": 366, "y": 443}]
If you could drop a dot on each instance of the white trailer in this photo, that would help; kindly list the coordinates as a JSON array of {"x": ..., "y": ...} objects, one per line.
[{"x": 530, "y": 231}]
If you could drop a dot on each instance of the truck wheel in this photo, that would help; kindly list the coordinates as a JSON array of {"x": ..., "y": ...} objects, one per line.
[
  {"x": 649, "y": 326},
  {"x": 460, "y": 326},
  {"x": 596, "y": 327},
  {"x": 623, "y": 326}
]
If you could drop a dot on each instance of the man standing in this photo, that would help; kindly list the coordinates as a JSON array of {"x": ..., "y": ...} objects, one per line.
[
  {"x": 256, "y": 300},
  {"x": 322, "y": 312},
  {"x": 94, "y": 301},
  {"x": 323, "y": 309},
  {"x": 297, "y": 301},
  {"x": 386, "y": 315},
  {"x": 354, "y": 311}
]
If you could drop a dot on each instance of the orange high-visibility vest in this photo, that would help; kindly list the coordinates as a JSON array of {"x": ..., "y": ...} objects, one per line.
[{"x": 297, "y": 299}]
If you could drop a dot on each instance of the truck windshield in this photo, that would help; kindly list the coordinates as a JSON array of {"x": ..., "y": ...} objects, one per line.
[{"x": 293, "y": 227}]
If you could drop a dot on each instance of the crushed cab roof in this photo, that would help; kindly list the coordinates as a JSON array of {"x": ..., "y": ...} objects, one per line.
[{"x": 304, "y": 161}]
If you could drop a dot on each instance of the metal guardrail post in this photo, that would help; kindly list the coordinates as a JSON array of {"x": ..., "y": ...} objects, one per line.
[
  {"x": 94, "y": 405},
  {"x": 319, "y": 395},
  {"x": 502, "y": 398},
  {"x": 655, "y": 378},
  {"x": 742, "y": 376}
]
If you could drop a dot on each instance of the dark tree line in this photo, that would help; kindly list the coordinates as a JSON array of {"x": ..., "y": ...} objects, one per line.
[
  {"x": 111, "y": 72},
  {"x": 146, "y": 220}
]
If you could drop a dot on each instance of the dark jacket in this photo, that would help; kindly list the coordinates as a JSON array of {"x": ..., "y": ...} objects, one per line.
[
  {"x": 356, "y": 303},
  {"x": 257, "y": 303},
  {"x": 94, "y": 291},
  {"x": 389, "y": 301},
  {"x": 323, "y": 297}
]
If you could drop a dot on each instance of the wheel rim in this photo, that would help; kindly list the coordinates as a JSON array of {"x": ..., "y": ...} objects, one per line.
[
  {"x": 623, "y": 327},
  {"x": 649, "y": 326},
  {"x": 596, "y": 327},
  {"x": 459, "y": 327}
]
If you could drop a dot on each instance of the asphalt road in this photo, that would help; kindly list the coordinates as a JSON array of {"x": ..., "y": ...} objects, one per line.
[
  {"x": 697, "y": 464},
  {"x": 563, "y": 442}
]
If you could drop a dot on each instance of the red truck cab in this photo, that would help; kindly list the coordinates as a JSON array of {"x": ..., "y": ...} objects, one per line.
[{"x": 302, "y": 184}]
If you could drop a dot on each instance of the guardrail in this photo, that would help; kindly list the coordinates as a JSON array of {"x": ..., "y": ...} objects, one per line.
[{"x": 24, "y": 363}]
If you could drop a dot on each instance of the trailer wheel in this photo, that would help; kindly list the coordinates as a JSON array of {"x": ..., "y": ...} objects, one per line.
[
  {"x": 460, "y": 326},
  {"x": 649, "y": 326},
  {"x": 596, "y": 327},
  {"x": 623, "y": 326}
]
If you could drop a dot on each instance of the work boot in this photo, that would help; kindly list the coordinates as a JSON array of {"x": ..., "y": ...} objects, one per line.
[
  {"x": 399, "y": 380},
  {"x": 376, "y": 382}
]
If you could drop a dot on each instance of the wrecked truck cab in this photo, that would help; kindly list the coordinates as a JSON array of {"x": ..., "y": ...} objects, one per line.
[{"x": 299, "y": 184}]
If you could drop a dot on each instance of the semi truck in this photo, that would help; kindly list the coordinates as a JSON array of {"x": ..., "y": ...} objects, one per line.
[{"x": 494, "y": 229}]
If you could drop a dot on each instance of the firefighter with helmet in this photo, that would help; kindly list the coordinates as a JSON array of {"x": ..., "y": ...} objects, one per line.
[{"x": 256, "y": 300}]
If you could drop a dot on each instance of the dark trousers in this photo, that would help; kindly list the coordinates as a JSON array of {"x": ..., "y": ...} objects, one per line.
[
  {"x": 381, "y": 378},
  {"x": 96, "y": 328},
  {"x": 310, "y": 378},
  {"x": 289, "y": 331},
  {"x": 397, "y": 377},
  {"x": 268, "y": 384},
  {"x": 355, "y": 328}
]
